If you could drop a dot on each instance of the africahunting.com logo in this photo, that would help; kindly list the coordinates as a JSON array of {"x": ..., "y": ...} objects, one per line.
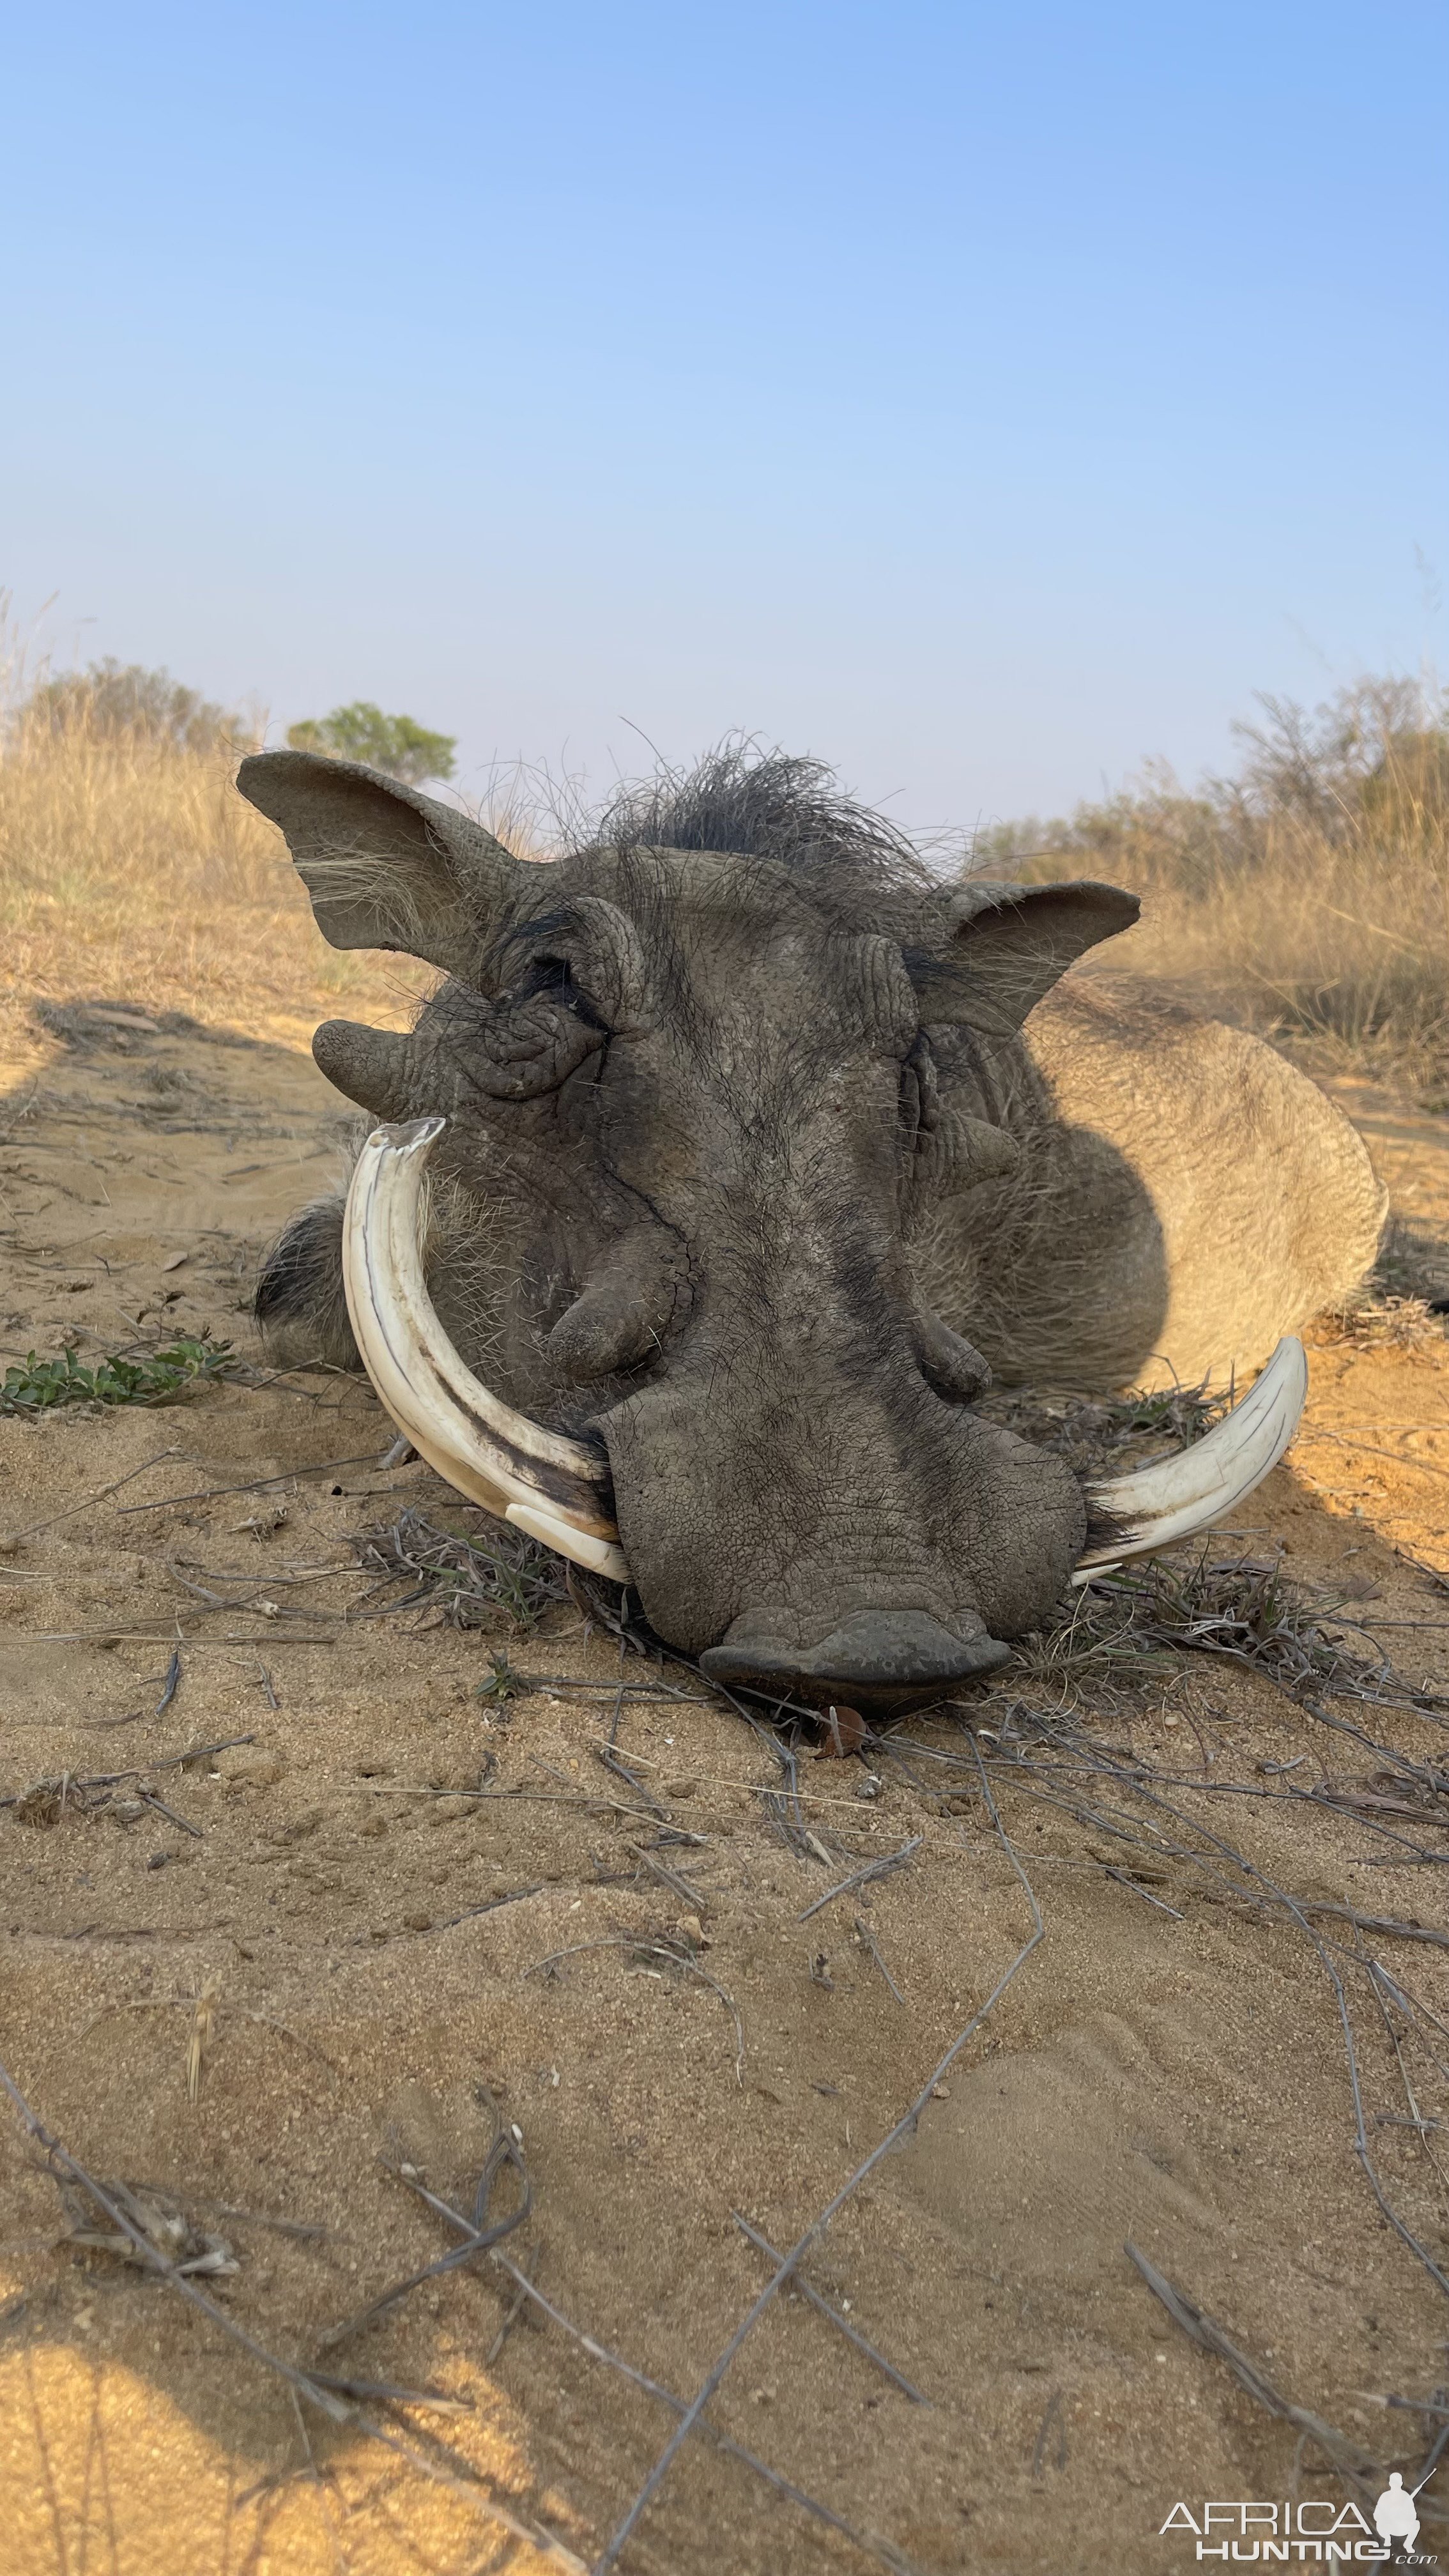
[{"x": 1311, "y": 2531}]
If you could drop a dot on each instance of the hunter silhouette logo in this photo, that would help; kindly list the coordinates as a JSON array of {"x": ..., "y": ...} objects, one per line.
[
  {"x": 1308, "y": 2530},
  {"x": 1396, "y": 2515}
]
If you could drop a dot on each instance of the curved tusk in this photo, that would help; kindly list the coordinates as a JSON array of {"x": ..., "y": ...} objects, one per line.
[
  {"x": 559, "y": 1491},
  {"x": 552, "y": 1487},
  {"x": 1176, "y": 1497}
]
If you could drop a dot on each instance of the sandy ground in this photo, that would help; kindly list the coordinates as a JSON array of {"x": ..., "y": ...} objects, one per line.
[{"x": 328, "y": 1905}]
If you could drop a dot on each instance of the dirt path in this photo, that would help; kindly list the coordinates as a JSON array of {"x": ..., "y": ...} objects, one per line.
[{"x": 393, "y": 1910}]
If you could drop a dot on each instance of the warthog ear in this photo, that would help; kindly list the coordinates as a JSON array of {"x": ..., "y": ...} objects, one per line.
[
  {"x": 384, "y": 866},
  {"x": 1006, "y": 946}
]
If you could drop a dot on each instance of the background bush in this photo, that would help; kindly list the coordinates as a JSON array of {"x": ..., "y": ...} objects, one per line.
[{"x": 1308, "y": 892}]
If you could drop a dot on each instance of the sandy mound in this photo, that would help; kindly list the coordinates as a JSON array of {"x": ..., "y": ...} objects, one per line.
[{"x": 386, "y": 1920}]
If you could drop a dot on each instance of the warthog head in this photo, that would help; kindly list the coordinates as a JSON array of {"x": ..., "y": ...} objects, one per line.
[{"x": 704, "y": 1081}]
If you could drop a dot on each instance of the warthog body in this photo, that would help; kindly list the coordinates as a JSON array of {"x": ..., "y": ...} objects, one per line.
[
  {"x": 1184, "y": 1197},
  {"x": 751, "y": 1176}
]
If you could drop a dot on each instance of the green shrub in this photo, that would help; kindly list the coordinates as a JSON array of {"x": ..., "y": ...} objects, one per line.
[
  {"x": 396, "y": 745},
  {"x": 160, "y": 1378}
]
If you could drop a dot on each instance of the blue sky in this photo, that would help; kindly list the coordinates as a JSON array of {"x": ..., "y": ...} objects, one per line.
[{"x": 980, "y": 398}]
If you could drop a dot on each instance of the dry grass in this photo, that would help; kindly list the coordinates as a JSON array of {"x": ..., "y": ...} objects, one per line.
[
  {"x": 1126, "y": 1635},
  {"x": 497, "y": 1579},
  {"x": 1309, "y": 895},
  {"x": 1095, "y": 1434},
  {"x": 131, "y": 868}
]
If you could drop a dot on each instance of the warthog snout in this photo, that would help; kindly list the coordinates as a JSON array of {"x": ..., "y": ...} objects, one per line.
[{"x": 880, "y": 1660}]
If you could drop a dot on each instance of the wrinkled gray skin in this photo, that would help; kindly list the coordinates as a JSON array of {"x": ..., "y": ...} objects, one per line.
[{"x": 748, "y": 1177}]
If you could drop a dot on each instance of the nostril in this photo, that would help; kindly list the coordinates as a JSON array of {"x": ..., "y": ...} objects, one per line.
[{"x": 884, "y": 1659}]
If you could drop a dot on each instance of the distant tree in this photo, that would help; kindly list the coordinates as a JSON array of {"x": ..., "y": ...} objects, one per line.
[
  {"x": 393, "y": 744},
  {"x": 112, "y": 698}
]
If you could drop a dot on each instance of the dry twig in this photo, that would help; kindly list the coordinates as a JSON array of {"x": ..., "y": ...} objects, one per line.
[
  {"x": 1349, "y": 2458},
  {"x": 316, "y": 2391},
  {"x": 851, "y": 2333},
  {"x": 528, "y": 2290},
  {"x": 869, "y": 1869},
  {"x": 786, "y": 2269}
]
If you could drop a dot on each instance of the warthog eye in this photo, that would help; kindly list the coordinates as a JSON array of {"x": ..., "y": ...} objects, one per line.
[
  {"x": 572, "y": 979},
  {"x": 552, "y": 979},
  {"x": 920, "y": 1101},
  {"x": 532, "y": 1037}
]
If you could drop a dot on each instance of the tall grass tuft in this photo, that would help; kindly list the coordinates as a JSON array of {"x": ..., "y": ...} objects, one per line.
[
  {"x": 1309, "y": 894},
  {"x": 131, "y": 868}
]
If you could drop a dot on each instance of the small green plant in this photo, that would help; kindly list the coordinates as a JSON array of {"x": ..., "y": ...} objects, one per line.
[
  {"x": 160, "y": 1378},
  {"x": 503, "y": 1682},
  {"x": 396, "y": 745}
]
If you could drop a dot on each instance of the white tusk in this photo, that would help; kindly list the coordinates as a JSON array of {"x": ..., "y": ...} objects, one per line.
[
  {"x": 600, "y": 1555},
  {"x": 554, "y": 1488},
  {"x": 1176, "y": 1497},
  {"x": 559, "y": 1491}
]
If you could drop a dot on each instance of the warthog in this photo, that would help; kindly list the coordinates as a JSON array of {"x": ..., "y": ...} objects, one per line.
[{"x": 749, "y": 1180}]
